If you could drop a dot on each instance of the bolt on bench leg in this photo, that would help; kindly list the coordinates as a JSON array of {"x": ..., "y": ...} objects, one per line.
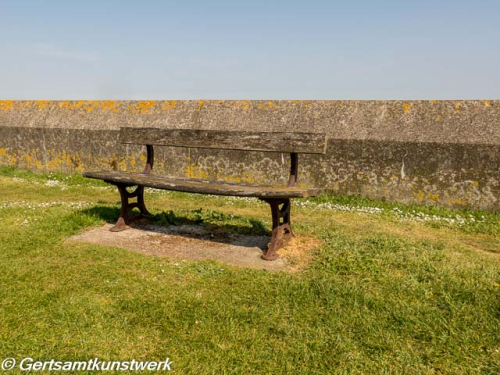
[
  {"x": 124, "y": 220},
  {"x": 282, "y": 230}
]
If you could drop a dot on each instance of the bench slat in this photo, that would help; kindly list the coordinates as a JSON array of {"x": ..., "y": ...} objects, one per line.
[
  {"x": 203, "y": 187},
  {"x": 307, "y": 143}
]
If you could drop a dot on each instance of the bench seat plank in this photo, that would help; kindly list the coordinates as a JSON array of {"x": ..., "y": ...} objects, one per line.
[{"x": 203, "y": 187}]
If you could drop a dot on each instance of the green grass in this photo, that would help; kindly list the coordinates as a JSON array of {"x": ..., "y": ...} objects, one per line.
[{"x": 384, "y": 294}]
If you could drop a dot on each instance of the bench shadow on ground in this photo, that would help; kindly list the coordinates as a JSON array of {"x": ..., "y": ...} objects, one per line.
[
  {"x": 154, "y": 223},
  {"x": 188, "y": 237}
]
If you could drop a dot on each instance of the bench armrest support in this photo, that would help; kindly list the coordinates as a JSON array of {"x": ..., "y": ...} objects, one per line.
[
  {"x": 150, "y": 158},
  {"x": 294, "y": 169}
]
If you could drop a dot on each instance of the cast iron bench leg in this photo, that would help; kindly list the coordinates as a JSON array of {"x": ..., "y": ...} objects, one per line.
[
  {"x": 124, "y": 220},
  {"x": 282, "y": 231}
]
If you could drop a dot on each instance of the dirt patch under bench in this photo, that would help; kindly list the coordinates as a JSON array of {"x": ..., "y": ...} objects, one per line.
[{"x": 193, "y": 242}]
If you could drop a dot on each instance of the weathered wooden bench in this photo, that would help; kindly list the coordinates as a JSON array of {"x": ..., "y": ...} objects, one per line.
[{"x": 278, "y": 197}]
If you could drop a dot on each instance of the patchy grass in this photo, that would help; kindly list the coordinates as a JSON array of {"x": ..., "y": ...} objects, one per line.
[{"x": 385, "y": 292}]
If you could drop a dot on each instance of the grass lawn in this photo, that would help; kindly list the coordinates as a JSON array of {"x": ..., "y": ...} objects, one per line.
[{"x": 392, "y": 289}]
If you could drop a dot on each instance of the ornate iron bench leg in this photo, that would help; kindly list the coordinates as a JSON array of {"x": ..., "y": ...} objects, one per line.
[
  {"x": 124, "y": 220},
  {"x": 282, "y": 230}
]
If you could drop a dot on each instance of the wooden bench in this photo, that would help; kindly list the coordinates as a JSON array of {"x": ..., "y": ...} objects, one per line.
[{"x": 278, "y": 197}]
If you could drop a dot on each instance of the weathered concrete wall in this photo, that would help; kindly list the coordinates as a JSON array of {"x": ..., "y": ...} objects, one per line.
[{"x": 431, "y": 152}]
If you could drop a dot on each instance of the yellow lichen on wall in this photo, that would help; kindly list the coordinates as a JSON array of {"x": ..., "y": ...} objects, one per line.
[
  {"x": 87, "y": 106},
  {"x": 167, "y": 105},
  {"x": 144, "y": 106},
  {"x": 458, "y": 201},
  {"x": 151, "y": 106},
  {"x": 194, "y": 171},
  {"x": 6, "y": 105},
  {"x": 42, "y": 104},
  {"x": 111, "y": 105},
  {"x": 63, "y": 161},
  {"x": 232, "y": 179},
  {"x": 419, "y": 195},
  {"x": 433, "y": 197}
]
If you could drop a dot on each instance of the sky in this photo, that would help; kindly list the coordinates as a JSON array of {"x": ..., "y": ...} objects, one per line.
[{"x": 347, "y": 50}]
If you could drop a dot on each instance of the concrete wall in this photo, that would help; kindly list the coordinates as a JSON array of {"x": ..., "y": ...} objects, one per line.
[{"x": 431, "y": 152}]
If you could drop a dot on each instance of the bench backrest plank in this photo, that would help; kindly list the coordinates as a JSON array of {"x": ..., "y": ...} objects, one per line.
[{"x": 307, "y": 143}]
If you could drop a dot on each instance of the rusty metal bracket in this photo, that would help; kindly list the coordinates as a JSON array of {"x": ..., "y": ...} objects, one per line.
[
  {"x": 282, "y": 230},
  {"x": 125, "y": 219},
  {"x": 149, "y": 159},
  {"x": 294, "y": 169}
]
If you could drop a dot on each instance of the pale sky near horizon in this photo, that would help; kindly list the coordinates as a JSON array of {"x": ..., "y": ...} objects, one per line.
[{"x": 250, "y": 50}]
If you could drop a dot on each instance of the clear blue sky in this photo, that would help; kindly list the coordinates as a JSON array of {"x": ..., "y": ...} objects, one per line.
[{"x": 250, "y": 49}]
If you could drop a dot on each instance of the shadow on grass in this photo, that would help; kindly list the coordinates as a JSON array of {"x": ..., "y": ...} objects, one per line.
[{"x": 213, "y": 225}]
